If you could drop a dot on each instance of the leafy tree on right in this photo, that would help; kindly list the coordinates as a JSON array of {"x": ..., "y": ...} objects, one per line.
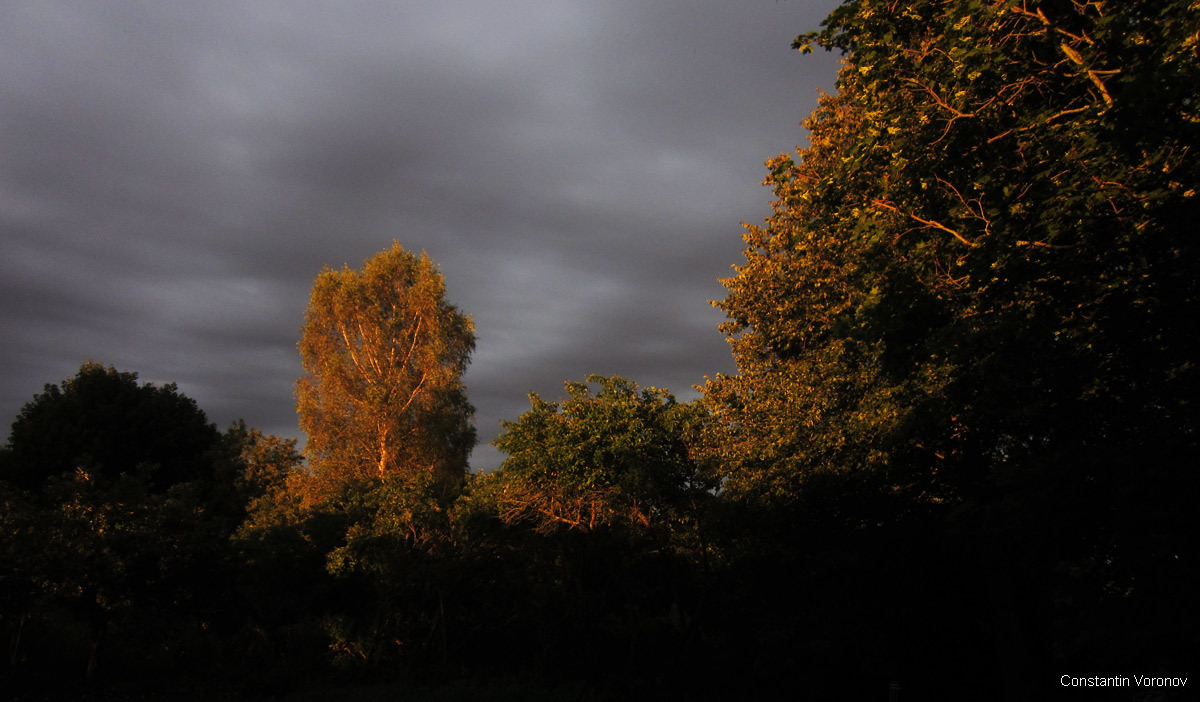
[{"x": 975, "y": 304}]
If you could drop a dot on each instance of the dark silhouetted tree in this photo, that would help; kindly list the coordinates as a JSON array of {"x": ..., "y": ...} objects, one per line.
[
  {"x": 102, "y": 420},
  {"x": 118, "y": 501}
]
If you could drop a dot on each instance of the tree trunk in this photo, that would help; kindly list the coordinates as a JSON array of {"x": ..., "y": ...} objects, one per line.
[{"x": 14, "y": 644}]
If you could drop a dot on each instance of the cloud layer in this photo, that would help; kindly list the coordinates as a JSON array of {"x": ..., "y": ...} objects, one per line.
[{"x": 173, "y": 176}]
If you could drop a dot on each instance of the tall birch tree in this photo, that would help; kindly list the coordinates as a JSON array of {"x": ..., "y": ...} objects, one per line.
[{"x": 382, "y": 395}]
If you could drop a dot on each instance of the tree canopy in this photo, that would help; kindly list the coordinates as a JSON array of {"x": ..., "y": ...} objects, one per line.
[
  {"x": 383, "y": 354},
  {"x": 623, "y": 455},
  {"x": 105, "y": 422},
  {"x": 975, "y": 297},
  {"x": 116, "y": 500},
  {"x": 982, "y": 181}
]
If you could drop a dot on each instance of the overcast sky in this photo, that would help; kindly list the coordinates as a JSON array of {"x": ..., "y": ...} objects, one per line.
[{"x": 173, "y": 175}]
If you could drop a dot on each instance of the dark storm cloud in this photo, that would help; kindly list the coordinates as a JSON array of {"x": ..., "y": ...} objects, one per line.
[{"x": 173, "y": 176}]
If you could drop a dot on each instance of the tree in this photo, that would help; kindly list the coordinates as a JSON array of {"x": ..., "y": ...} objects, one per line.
[
  {"x": 116, "y": 499},
  {"x": 389, "y": 432},
  {"x": 265, "y": 464},
  {"x": 104, "y": 421},
  {"x": 382, "y": 396},
  {"x": 592, "y": 536},
  {"x": 623, "y": 456},
  {"x": 976, "y": 297}
]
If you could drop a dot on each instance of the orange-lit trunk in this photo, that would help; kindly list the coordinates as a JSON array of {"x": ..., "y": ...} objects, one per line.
[{"x": 383, "y": 452}]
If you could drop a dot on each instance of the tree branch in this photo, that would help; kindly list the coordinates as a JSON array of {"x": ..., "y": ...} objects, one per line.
[{"x": 927, "y": 222}]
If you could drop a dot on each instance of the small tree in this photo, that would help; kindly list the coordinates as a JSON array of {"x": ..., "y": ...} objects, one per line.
[
  {"x": 624, "y": 455},
  {"x": 591, "y": 536},
  {"x": 382, "y": 395}
]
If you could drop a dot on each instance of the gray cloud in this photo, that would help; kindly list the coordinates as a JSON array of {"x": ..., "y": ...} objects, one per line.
[{"x": 173, "y": 175}]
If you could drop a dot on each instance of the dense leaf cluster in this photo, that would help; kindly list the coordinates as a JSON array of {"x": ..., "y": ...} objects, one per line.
[
  {"x": 971, "y": 315},
  {"x": 621, "y": 456}
]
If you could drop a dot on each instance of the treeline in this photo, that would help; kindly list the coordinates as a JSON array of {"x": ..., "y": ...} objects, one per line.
[{"x": 958, "y": 455}]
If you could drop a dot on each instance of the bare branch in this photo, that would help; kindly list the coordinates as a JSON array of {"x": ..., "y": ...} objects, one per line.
[
  {"x": 927, "y": 222},
  {"x": 974, "y": 206}
]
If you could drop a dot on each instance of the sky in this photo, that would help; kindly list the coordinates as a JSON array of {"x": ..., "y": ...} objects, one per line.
[{"x": 174, "y": 175}]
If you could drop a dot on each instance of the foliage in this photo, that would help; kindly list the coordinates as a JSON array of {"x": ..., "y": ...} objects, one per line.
[
  {"x": 364, "y": 525},
  {"x": 382, "y": 395},
  {"x": 102, "y": 419},
  {"x": 590, "y": 539},
  {"x": 624, "y": 455},
  {"x": 117, "y": 500},
  {"x": 975, "y": 299}
]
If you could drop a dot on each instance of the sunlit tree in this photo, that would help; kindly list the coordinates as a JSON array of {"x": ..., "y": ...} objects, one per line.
[
  {"x": 977, "y": 292},
  {"x": 382, "y": 395},
  {"x": 389, "y": 432},
  {"x": 621, "y": 455}
]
